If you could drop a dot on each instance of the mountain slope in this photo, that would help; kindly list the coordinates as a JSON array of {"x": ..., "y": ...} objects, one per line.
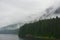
[{"x": 10, "y": 29}]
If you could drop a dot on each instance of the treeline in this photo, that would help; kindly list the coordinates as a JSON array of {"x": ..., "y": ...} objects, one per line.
[{"x": 47, "y": 27}]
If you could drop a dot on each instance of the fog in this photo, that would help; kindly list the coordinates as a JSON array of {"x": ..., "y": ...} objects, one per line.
[{"x": 24, "y": 11}]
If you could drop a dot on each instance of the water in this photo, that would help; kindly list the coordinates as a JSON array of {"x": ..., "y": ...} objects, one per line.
[
  {"x": 15, "y": 37},
  {"x": 9, "y": 37}
]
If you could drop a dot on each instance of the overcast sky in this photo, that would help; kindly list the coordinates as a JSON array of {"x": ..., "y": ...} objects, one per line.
[{"x": 18, "y": 11}]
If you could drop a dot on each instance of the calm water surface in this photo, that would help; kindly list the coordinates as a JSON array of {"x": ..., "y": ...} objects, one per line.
[
  {"x": 9, "y": 37},
  {"x": 15, "y": 37}
]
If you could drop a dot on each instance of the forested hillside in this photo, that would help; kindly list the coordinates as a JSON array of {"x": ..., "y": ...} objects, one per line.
[{"x": 42, "y": 28}]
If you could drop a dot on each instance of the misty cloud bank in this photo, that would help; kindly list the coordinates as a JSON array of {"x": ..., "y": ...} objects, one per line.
[{"x": 24, "y": 11}]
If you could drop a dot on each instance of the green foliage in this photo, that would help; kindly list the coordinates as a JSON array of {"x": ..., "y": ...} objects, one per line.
[{"x": 47, "y": 27}]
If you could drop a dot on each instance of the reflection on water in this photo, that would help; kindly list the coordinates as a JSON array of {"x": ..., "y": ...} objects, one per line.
[
  {"x": 15, "y": 37},
  {"x": 38, "y": 39}
]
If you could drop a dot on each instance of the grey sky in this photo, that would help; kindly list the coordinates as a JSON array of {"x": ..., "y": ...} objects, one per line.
[{"x": 18, "y": 11}]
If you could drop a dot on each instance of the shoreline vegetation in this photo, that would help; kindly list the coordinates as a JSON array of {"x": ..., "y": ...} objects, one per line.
[{"x": 48, "y": 29}]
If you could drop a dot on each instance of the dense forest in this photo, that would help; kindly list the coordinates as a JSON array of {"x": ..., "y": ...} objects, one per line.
[{"x": 43, "y": 28}]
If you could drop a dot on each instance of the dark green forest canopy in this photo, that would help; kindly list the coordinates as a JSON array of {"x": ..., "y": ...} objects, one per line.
[{"x": 47, "y": 27}]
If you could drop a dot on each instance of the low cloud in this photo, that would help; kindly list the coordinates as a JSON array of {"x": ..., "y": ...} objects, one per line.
[{"x": 22, "y": 11}]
